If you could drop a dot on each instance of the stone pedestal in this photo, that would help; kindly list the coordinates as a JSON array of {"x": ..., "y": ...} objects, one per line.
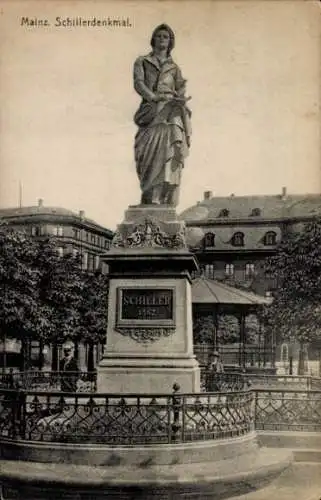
[{"x": 150, "y": 338}]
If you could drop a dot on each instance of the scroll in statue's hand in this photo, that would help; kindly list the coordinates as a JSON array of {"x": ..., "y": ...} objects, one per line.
[{"x": 162, "y": 97}]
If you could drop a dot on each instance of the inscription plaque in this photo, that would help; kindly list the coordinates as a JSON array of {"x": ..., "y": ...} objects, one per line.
[
  {"x": 147, "y": 304},
  {"x": 146, "y": 307}
]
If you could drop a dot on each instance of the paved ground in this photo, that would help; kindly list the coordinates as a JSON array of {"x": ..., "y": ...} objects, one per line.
[{"x": 302, "y": 481}]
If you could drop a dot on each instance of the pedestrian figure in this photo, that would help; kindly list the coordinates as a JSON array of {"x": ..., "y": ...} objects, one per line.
[
  {"x": 214, "y": 369},
  {"x": 215, "y": 363},
  {"x": 69, "y": 370}
]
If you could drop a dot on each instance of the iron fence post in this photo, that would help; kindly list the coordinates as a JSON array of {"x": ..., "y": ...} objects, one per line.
[
  {"x": 176, "y": 404},
  {"x": 255, "y": 408},
  {"x": 18, "y": 413}
]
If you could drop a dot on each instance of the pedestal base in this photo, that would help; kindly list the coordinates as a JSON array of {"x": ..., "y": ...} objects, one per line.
[{"x": 137, "y": 376}]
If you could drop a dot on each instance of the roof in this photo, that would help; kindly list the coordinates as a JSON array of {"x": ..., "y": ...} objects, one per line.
[
  {"x": 205, "y": 291},
  {"x": 254, "y": 236},
  {"x": 34, "y": 210},
  {"x": 242, "y": 207},
  {"x": 39, "y": 212}
]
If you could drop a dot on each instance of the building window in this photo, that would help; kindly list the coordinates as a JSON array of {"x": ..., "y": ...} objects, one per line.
[
  {"x": 209, "y": 271},
  {"x": 209, "y": 240},
  {"x": 60, "y": 251},
  {"x": 84, "y": 260},
  {"x": 229, "y": 269},
  {"x": 97, "y": 262},
  {"x": 87, "y": 236},
  {"x": 107, "y": 244},
  {"x": 270, "y": 238},
  {"x": 238, "y": 239},
  {"x": 91, "y": 262},
  {"x": 76, "y": 233},
  {"x": 224, "y": 213},
  {"x": 58, "y": 231},
  {"x": 256, "y": 212},
  {"x": 93, "y": 238},
  {"x": 249, "y": 270},
  {"x": 36, "y": 231}
]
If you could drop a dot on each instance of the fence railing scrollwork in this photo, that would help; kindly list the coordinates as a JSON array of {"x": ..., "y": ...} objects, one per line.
[
  {"x": 124, "y": 419},
  {"x": 287, "y": 410},
  {"x": 48, "y": 380},
  {"x": 33, "y": 409}
]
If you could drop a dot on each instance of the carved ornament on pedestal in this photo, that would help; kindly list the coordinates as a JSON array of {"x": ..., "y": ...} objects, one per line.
[
  {"x": 145, "y": 335},
  {"x": 149, "y": 234}
]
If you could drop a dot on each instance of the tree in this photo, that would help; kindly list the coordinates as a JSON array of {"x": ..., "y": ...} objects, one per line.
[
  {"x": 19, "y": 279},
  {"x": 40, "y": 291},
  {"x": 228, "y": 331},
  {"x": 252, "y": 328},
  {"x": 59, "y": 295},
  {"x": 295, "y": 313},
  {"x": 93, "y": 313}
]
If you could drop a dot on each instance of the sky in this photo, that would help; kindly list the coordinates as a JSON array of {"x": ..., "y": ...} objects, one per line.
[{"x": 67, "y": 100}]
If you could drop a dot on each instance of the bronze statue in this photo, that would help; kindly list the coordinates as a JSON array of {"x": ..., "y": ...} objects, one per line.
[{"x": 163, "y": 139}]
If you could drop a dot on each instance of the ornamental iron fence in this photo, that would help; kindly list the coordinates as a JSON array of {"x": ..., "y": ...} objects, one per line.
[
  {"x": 223, "y": 382},
  {"x": 287, "y": 410},
  {"x": 248, "y": 355},
  {"x": 49, "y": 380},
  {"x": 124, "y": 419},
  {"x": 282, "y": 382}
]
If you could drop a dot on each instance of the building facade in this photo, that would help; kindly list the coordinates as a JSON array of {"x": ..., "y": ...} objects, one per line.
[
  {"x": 74, "y": 232},
  {"x": 232, "y": 236}
]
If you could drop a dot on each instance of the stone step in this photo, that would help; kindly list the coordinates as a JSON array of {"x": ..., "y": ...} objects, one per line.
[
  {"x": 301, "y": 481},
  {"x": 290, "y": 439},
  {"x": 217, "y": 481}
]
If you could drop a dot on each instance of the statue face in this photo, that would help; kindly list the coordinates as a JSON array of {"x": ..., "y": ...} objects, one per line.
[{"x": 161, "y": 40}]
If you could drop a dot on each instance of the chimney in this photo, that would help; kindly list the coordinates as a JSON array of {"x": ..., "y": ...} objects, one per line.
[
  {"x": 208, "y": 195},
  {"x": 283, "y": 193},
  {"x": 40, "y": 202},
  {"x": 82, "y": 213}
]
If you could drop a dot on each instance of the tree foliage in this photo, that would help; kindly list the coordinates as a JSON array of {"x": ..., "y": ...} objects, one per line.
[
  {"x": 296, "y": 309},
  {"x": 45, "y": 296},
  {"x": 19, "y": 280},
  {"x": 93, "y": 308}
]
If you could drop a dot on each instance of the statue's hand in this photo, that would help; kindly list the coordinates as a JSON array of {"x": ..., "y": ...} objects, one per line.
[{"x": 162, "y": 97}]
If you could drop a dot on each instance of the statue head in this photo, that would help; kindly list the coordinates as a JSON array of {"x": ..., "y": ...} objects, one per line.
[{"x": 164, "y": 27}]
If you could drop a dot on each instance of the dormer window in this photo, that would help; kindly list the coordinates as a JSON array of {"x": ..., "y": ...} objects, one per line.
[
  {"x": 238, "y": 239},
  {"x": 256, "y": 212},
  {"x": 209, "y": 240},
  {"x": 224, "y": 213},
  {"x": 270, "y": 238}
]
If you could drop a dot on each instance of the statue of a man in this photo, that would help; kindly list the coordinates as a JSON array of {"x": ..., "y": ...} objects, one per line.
[{"x": 163, "y": 138}]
